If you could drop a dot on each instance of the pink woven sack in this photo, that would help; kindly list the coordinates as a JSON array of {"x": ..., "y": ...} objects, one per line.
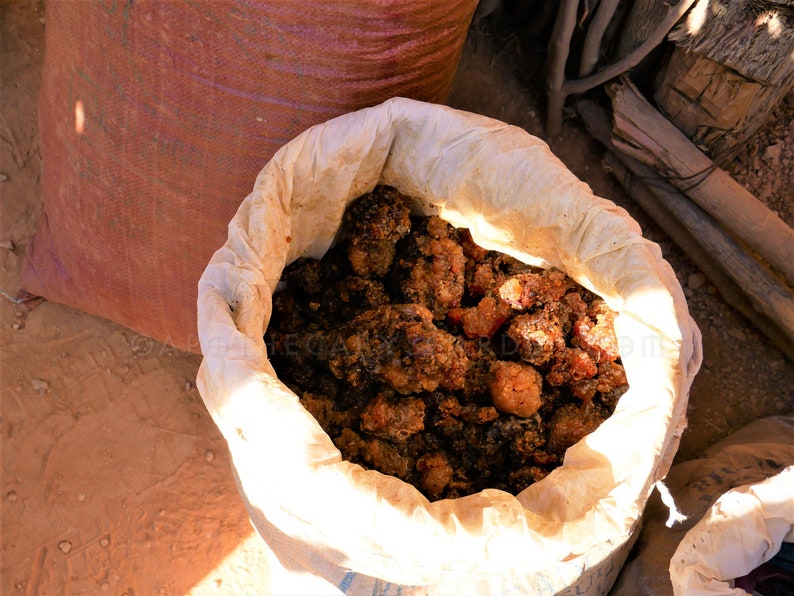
[{"x": 156, "y": 117}]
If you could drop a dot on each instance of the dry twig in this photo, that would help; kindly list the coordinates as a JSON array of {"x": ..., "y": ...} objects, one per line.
[
  {"x": 558, "y": 89},
  {"x": 595, "y": 34},
  {"x": 559, "y": 48}
]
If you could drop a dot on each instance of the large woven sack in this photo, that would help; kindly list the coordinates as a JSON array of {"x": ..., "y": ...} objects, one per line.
[
  {"x": 745, "y": 528},
  {"x": 364, "y": 531},
  {"x": 731, "y": 509},
  {"x": 156, "y": 115}
]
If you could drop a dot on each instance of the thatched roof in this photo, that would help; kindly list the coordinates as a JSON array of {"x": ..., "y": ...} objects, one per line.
[{"x": 753, "y": 37}]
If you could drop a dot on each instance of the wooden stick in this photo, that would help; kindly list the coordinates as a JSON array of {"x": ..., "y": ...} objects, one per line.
[
  {"x": 558, "y": 89},
  {"x": 646, "y": 135},
  {"x": 656, "y": 198},
  {"x": 742, "y": 281},
  {"x": 559, "y": 48},
  {"x": 634, "y": 58},
  {"x": 595, "y": 33}
]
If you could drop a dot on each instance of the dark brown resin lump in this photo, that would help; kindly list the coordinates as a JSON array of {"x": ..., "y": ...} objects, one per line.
[{"x": 429, "y": 358}]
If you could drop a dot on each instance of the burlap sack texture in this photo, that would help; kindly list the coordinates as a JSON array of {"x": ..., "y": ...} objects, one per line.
[
  {"x": 366, "y": 532},
  {"x": 156, "y": 116}
]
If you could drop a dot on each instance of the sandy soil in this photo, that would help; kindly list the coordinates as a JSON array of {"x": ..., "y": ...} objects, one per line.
[{"x": 115, "y": 479}]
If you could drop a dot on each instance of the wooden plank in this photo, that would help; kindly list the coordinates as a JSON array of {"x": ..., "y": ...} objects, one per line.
[
  {"x": 718, "y": 108},
  {"x": 643, "y": 133},
  {"x": 731, "y": 271},
  {"x": 730, "y": 68},
  {"x": 742, "y": 281}
]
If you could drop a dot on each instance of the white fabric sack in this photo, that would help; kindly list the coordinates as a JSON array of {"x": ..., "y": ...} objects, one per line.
[
  {"x": 742, "y": 530},
  {"x": 363, "y": 530},
  {"x": 749, "y": 456}
]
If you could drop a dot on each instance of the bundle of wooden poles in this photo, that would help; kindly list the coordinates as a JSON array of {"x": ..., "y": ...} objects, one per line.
[{"x": 742, "y": 246}]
